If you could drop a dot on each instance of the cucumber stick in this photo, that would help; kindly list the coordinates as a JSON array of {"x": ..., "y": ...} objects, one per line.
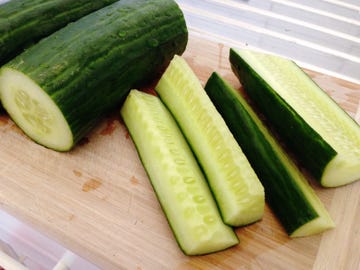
[
  {"x": 175, "y": 176},
  {"x": 237, "y": 190},
  {"x": 24, "y": 22},
  {"x": 325, "y": 139},
  {"x": 58, "y": 89},
  {"x": 289, "y": 195}
]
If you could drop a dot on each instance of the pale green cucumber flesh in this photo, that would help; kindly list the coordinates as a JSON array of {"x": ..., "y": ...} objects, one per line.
[
  {"x": 176, "y": 176},
  {"x": 288, "y": 193},
  {"x": 237, "y": 189},
  {"x": 315, "y": 110},
  {"x": 34, "y": 111}
]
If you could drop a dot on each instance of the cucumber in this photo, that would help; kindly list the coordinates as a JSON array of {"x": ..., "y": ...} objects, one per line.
[
  {"x": 287, "y": 191},
  {"x": 237, "y": 190},
  {"x": 175, "y": 176},
  {"x": 58, "y": 90},
  {"x": 23, "y": 22},
  {"x": 324, "y": 138}
]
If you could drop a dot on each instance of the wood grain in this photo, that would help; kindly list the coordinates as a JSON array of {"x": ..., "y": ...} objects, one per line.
[{"x": 97, "y": 200}]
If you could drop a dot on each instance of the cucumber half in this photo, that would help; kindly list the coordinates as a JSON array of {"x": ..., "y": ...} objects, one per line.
[
  {"x": 34, "y": 111},
  {"x": 237, "y": 189},
  {"x": 322, "y": 135},
  {"x": 175, "y": 175}
]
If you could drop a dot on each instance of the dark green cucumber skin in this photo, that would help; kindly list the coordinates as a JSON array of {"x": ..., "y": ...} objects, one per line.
[
  {"x": 24, "y": 22},
  {"x": 282, "y": 194},
  {"x": 309, "y": 148},
  {"x": 89, "y": 66}
]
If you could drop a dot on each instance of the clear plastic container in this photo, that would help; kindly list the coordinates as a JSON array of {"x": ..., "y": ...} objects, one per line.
[{"x": 22, "y": 247}]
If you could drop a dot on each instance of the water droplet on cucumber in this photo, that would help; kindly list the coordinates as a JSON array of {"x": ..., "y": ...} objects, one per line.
[
  {"x": 153, "y": 42},
  {"x": 122, "y": 34}
]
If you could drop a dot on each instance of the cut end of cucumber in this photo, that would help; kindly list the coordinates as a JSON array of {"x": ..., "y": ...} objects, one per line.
[
  {"x": 316, "y": 226},
  {"x": 251, "y": 212},
  {"x": 217, "y": 241},
  {"x": 34, "y": 111},
  {"x": 341, "y": 172}
]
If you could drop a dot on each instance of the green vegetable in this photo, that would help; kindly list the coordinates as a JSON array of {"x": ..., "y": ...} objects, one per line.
[
  {"x": 24, "y": 22},
  {"x": 290, "y": 196},
  {"x": 237, "y": 190},
  {"x": 325, "y": 139},
  {"x": 176, "y": 176},
  {"x": 57, "y": 90}
]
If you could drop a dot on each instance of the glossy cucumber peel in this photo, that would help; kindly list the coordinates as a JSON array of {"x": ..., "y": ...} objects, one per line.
[
  {"x": 175, "y": 176},
  {"x": 237, "y": 190},
  {"x": 325, "y": 139},
  {"x": 59, "y": 89},
  {"x": 287, "y": 191},
  {"x": 24, "y": 22}
]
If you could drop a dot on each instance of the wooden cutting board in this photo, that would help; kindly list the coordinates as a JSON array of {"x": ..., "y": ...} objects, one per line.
[{"x": 97, "y": 200}]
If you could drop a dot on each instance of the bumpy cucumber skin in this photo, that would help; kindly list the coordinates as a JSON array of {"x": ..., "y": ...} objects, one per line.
[
  {"x": 89, "y": 66},
  {"x": 24, "y": 22},
  {"x": 282, "y": 193},
  {"x": 172, "y": 146},
  {"x": 312, "y": 151}
]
